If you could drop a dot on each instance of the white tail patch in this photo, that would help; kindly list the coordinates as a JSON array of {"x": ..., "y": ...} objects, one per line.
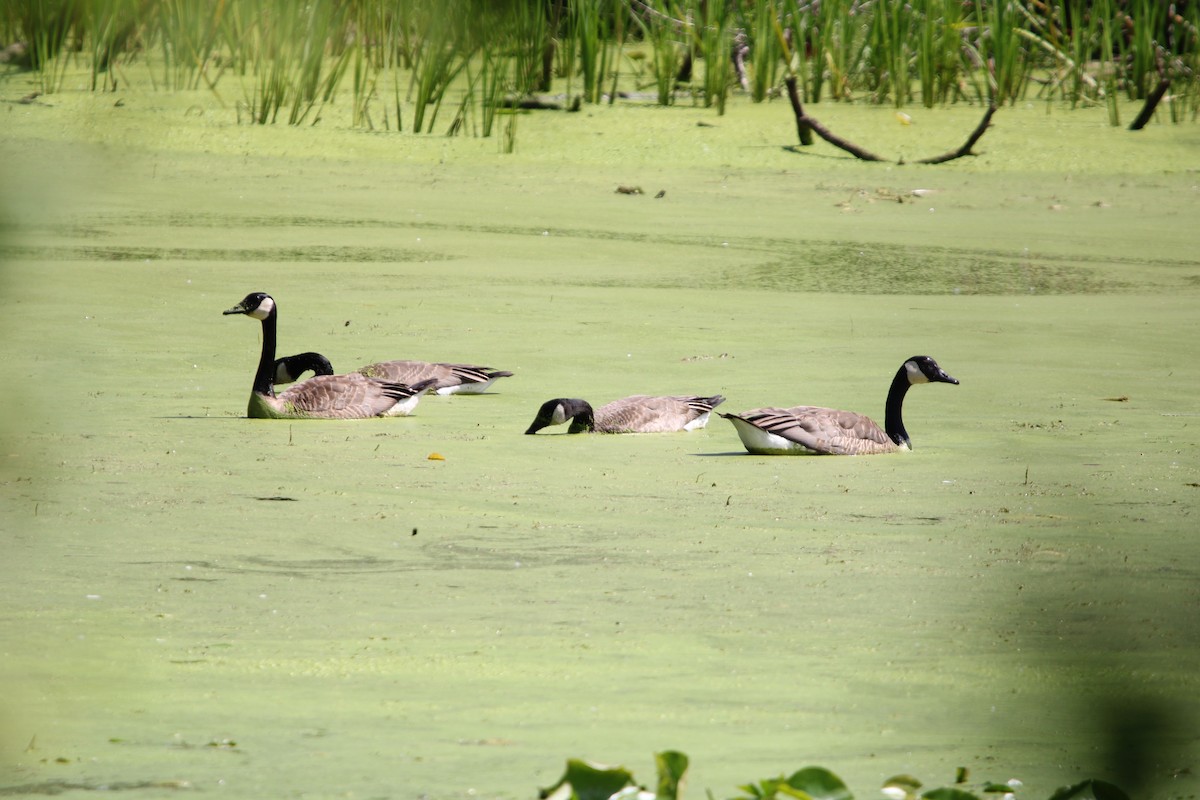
[
  {"x": 761, "y": 442},
  {"x": 466, "y": 388}
]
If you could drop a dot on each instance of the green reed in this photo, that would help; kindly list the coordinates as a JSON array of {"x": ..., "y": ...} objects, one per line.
[
  {"x": 939, "y": 50},
  {"x": 889, "y": 54},
  {"x": 527, "y": 35},
  {"x": 188, "y": 34},
  {"x": 291, "y": 60},
  {"x": 714, "y": 39},
  {"x": 661, "y": 30},
  {"x": 365, "y": 76},
  {"x": 378, "y": 30},
  {"x": 1080, "y": 42},
  {"x": 1108, "y": 57},
  {"x": 111, "y": 28},
  {"x": 791, "y": 30},
  {"x": 766, "y": 54},
  {"x": 438, "y": 59},
  {"x": 1141, "y": 50},
  {"x": 1000, "y": 47},
  {"x": 586, "y": 36},
  {"x": 619, "y": 31},
  {"x": 845, "y": 47},
  {"x": 494, "y": 80},
  {"x": 1188, "y": 47},
  {"x": 45, "y": 26}
]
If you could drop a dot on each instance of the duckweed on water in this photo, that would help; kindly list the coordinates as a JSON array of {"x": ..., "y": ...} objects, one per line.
[{"x": 1019, "y": 592}]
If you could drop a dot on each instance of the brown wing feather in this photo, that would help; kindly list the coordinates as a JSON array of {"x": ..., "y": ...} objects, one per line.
[
  {"x": 824, "y": 430},
  {"x": 444, "y": 373},
  {"x": 351, "y": 396},
  {"x": 646, "y": 414}
]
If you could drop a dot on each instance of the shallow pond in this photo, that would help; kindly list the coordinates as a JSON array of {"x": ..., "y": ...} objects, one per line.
[{"x": 286, "y": 609}]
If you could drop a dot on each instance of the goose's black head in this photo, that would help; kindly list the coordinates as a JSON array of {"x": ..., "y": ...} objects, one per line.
[
  {"x": 923, "y": 369},
  {"x": 258, "y": 305},
  {"x": 561, "y": 409},
  {"x": 289, "y": 368}
]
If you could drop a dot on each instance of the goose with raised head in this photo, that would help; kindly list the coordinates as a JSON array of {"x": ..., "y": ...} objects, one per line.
[
  {"x": 324, "y": 397},
  {"x": 811, "y": 430},
  {"x": 447, "y": 378},
  {"x": 637, "y": 414}
]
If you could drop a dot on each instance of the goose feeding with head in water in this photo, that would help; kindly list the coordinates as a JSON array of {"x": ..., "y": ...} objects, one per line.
[
  {"x": 351, "y": 396},
  {"x": 811, "y": 430},
  {"x": 637, "y": 414}
]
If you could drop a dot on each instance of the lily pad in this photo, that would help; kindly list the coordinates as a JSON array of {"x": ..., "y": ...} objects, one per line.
[{"x": 587, "y": 780}]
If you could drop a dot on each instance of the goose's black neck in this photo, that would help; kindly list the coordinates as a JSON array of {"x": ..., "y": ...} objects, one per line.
[
  {"x": 264, "y": 379},
  {"x": 893, "y": 421}
]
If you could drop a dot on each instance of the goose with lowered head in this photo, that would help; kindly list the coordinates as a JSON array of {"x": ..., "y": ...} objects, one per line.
[{"x": 637, "y": 414}]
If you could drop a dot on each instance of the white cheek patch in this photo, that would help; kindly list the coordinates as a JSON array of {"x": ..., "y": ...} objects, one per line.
[
  {"x": 914, "y": 373},
  {"x": 264, "y": 309},
  {"x": 559, "y": 416}
]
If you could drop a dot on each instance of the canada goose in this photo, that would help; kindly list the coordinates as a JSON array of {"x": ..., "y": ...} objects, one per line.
[
  {"x": 448, "y": 378},
  {"x": 324, "y": 397},
  {"x": 637, "y": 414},
  {"x": 810, "y": 430},
  {"x": 289, "y": 369}
]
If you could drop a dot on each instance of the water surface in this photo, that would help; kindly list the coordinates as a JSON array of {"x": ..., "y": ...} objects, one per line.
[{"x": 276, "y": 609}]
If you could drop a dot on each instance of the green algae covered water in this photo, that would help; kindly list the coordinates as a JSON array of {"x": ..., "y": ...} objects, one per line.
[{"x": 438, "y": 606}]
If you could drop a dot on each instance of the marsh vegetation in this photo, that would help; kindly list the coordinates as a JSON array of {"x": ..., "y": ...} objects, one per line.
[{"x": 461, "y": 67}]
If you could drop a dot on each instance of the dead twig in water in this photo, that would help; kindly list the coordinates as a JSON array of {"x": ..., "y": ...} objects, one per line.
[
  {"x": 1151, "y": 103},
  {"x": 965, "y": 150},
  {"x": 806, "y": 123},
  {"x": 806, "y": 126}
]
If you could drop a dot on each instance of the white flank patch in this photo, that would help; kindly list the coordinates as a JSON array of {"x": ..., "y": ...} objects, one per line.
[
  {"x": 698, "y": 423},
  {"x": 761, "y": 442}
]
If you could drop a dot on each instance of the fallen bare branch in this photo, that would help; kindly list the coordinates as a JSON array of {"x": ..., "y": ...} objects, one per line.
[
  {"x": 1152, "y": 99},
  {"x": 806, "y": 126},
  {"x": 803, "y": 130},
  {"x": 965, "y": 150},
  {"x": 805, "y": 123}
]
